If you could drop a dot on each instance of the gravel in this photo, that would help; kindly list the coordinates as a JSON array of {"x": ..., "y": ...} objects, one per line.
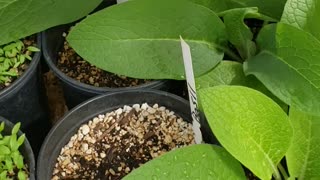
[{"x": 111, "y": 145}]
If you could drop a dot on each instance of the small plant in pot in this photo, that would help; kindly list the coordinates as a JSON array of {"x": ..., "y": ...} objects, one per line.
[
  {"x": 231, "y": 62},
  {"x": 112, "y": 134},
  {"x": 16, "y": 156},
  {"x": 21, "y": 89}
]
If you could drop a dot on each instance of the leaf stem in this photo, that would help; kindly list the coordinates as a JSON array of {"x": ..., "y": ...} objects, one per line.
[
  {"x": 231, "y": 54},
  {"x": 276, "y": 174},
  {"x": 283, "y": 171}
]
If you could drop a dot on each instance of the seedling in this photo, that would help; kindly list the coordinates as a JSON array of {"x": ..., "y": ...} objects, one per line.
[
  {"x": 12, "y": 56},
  {"x": 12, "y": 164}
]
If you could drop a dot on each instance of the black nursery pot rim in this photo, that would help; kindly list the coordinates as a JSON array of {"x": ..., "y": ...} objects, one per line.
[
  {"x": 56, "y": 146},
  {"x": 26, "y": 145},
  {"x": 86, "y": 87},
  {"x": 20, "y": 81}
]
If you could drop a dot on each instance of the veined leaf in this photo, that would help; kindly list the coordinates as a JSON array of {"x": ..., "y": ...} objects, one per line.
[
  {"x": 225, "y": 73},
  {"x": 251, "y": 126},
  {"x": 303, "y": 14},
  {"x": 201, "y": 161},
  {"x": 289, "y": 66},
  {"x": 303, "y": 156},
  {"x": 231, "y": 73},
  {"x": 144, "y": 42},
  {"x": 21, "y": 18},
  {"x": 238, "y": 32}
]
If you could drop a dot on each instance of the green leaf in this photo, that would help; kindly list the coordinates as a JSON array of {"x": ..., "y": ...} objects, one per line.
[
  {"x": 145, "y": 43},
  {"x": 201, "y": 161},
  {"x": 215, "y": 5},
  {"x": 21, "y": 18},
  {"x": 16, "y": 128},
  {"x": 18, "y": 161},
  {"x": 251, "y": 126},
  {"x": 21, "y": 140},
  {"x": 271, "y": 8},
  {"x": 239, "y": 33},
  {"x": 3, "y": 175},
  {"x": 225, "y": 73},
  {"x": 1, "y": 127},
  {"x": 33, "y": 49},
  {"x": 231, "y": 73},
  {"x": 4, "y": 150},
  {"x": 13, "y": 142},
  {"x": 289, "y": 66},
  {"x": 6, "y": 140},
  {"x": 8, "y": 164},
  {"x": 303, "y": 156},
  {"x": 22, "y": 175},
  {"x": 303, "y": 14}
]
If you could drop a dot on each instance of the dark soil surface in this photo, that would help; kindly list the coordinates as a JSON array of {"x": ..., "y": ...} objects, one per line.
[
  {"x": 28, "y": 41},
  {"x": 77, "y": 68}
]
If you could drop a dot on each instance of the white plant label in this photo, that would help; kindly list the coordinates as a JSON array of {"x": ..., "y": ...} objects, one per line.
[{"x": 187, "y": 59}]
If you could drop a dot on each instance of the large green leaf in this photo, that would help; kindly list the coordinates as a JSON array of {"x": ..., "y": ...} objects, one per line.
[
  {"x": 303, "y": 156},
  {"x": 303, "y": 14},
  {"x": 251, "y": 126},
  {"x": 226, "y": 73},
  {"x": 289, "y": 66},
  {"x": 201, "y": 161},
  {"x": 144, "y": 41},
  {"x": 238, "y": 32},
  {"x": 271, "y": 8},
  {"x": 21, "y": 18},
  {"x": 231, "y": 73}
]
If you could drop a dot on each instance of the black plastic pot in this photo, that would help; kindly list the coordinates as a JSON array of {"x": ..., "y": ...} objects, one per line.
[
  {"x": 61, "y": 133},
  {"x": 25, "y": 148},
  {"x": 25, "y": 101}
]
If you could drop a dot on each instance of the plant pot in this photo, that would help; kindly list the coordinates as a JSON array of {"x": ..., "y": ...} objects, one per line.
[
  {"x": 25, "y": 101},
  {"x": 25, "y": 148},
  {"x": 70, "y": 123},
  {"x": 76, "y": 92}
]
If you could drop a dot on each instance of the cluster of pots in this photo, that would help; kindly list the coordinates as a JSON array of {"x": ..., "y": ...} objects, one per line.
[{"x": 25, "y": 101}]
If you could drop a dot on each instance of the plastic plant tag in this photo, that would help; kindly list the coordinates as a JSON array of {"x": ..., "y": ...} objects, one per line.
[{"x": 191, "y": 90}]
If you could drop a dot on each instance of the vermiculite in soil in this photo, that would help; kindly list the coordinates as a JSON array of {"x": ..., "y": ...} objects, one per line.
[{"x": 112, "y": 145}]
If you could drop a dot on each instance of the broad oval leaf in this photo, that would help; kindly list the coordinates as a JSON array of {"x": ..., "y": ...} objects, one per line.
[
  {"x": 144, "y": 41},
  {"x": 202, "y": 161},
  {"x": 21, "y": 18},
  {"x": 231, "y": 73},
  {"x": 303, "y": 14},
  {"x": 303, "y": 156},
  {"x": 289, "y": 66},
  {"x": 251, "y": 126},
  {"x": 225, "y": 73}
]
